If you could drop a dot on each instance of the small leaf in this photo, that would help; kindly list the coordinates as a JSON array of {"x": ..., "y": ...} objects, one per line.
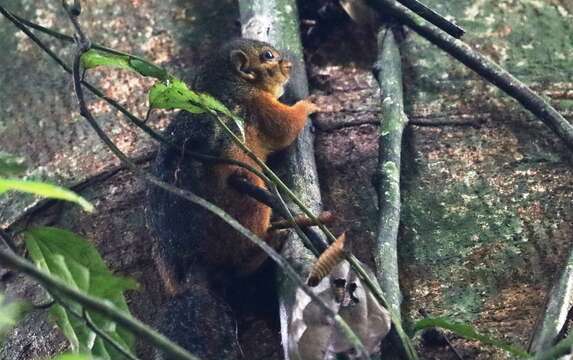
[
  {"x": 148, "y": 69},
  {"x": 210, "y": 102},
  {"x": 93, "y": 58},
  {"x": 468, "y": 332},
  {"x": 11, "y": 165},
  {"x": 174, "y": 94},
  {"x": 44, "y": 190}
]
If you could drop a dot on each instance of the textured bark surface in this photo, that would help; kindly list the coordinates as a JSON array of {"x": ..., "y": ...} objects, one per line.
[{"x": 487, "y": 211}]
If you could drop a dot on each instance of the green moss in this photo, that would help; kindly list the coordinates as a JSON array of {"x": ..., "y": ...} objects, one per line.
[
  {"x": 465, "y": 236},
  {"x": 531, "y": 39}
]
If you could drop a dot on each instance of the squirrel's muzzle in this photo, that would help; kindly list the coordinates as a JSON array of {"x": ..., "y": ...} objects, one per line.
[{"x": 286, "y": 67}]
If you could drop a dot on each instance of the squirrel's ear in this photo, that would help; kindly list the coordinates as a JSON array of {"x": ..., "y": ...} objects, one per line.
[{"x": 241, "y": 63}]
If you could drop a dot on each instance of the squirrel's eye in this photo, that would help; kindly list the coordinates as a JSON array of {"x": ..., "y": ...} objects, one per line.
[{"x": 267, "y": 55}]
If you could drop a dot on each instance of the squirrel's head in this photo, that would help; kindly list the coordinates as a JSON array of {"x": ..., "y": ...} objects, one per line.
[{"x": 259, "y": 65}]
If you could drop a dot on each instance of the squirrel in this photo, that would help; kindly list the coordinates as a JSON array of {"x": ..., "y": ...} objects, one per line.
[{"x": 194, "y": 247}]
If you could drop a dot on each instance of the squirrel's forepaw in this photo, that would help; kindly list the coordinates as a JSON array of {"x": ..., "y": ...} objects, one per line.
[{"x": 309, "y": 107}]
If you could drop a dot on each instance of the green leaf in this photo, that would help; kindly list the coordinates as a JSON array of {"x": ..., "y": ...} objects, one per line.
[
  {"x": 44, "y": 190},
  {"x": 148, "y": 69},
  {"x": 78, "y": 263},
  {"x": 10, "y": 313},
  {"x": 174, "y": 94},
  {"x": 211, "y": 103},
  {"x": 468, "y": 332},
  {"x": 11, "y": 165},
  {"x": 94, "y": 58}
]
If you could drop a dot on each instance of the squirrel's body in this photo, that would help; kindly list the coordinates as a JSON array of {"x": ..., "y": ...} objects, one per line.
[{"x": 248, "y": 77}]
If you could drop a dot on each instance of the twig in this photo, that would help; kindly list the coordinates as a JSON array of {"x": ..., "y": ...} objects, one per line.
[
  {"x": 435, "y": 122},
  {"x": 60, "y": 36},
  {"x": 325, "y": 217},
  {"x": 558, "y": 305},
  {"x": 388, "y": 73},
  {"x": 435, "y": 18},
  {"x": 484, "y": 67}
]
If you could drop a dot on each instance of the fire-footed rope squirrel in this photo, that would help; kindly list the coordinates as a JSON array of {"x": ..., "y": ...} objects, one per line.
[{"x": 248, "y": 76}]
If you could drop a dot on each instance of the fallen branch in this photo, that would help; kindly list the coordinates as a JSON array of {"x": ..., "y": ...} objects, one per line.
[
  {"x": 443, "y": 121},
  {"x": 388, "y": 73},
  {"x": 484, "y": 67}
]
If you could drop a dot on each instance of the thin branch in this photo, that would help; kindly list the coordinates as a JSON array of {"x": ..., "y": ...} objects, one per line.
[
  {"x": 388, "y": 73},
  {"x": 484, "y": 67},
  {"x": 433, "y": 17},
  {"x": 69, "y": 39},
  {"x": 443, "y": 121},
  {"x": 325, "y": 217}
]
